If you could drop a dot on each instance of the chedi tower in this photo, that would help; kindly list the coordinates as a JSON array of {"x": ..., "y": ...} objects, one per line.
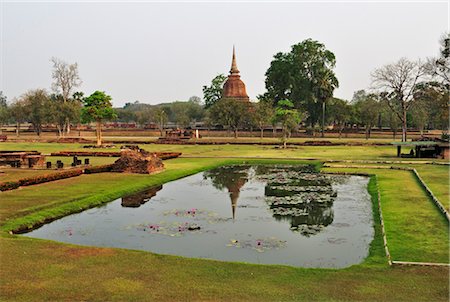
[{"x": 234, "y": 88}]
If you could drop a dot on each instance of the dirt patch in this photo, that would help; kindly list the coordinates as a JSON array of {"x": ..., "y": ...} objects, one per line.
[{"x": 87, "y": 252}]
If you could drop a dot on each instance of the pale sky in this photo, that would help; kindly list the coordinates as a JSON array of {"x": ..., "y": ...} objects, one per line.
[{"x": 161, "y": 52}]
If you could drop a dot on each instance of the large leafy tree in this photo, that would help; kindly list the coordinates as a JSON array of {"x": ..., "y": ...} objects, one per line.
[
  {"x": 18, "y": 111},
  {"x": 230, "y": 113},
  {"x": 288, "y": 117},
  {"x": 213, "y": 93},
  {"x": 433, "y": 105},
  {"x": 305, "y": 76},
  {"x": 97, "y": 108},
  {"x": 37, "y": 105}
]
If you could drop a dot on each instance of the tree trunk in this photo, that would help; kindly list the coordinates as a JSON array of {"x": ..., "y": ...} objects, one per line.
[
  {"x": 235, "y": 133},
  {"x": 17, "y": 129},
  {"x": 262, "y": 133},
  {"x": 98, "y": 130},
  {"x": 60, "y": 131},
  {"x": 67, "y": 126},
  {"x": 404, "y": 126},
  {"x": 367, "y": 132},
  {"x": 340, "y": 131},
  {"x": 323, "y": 119}
]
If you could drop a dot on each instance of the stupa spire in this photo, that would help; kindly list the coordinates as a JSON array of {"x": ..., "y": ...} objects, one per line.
[{"x": 234, "y": 69}]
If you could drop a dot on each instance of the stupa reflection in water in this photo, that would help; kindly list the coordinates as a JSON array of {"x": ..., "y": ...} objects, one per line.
[
  {"x": 232, "y": 178},
  {"x": 299, "y": 196}
]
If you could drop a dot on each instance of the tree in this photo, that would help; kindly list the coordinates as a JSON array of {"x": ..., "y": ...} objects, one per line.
[
  {"x": 144, "y": 115},
  {"x": 398, "y": 81},
  {"x": 389, "y": 117},
  {"x": 419, "y": 114},
  {"x": 65, "y": 79},
  {"x": 195, "y": 99},
  {"x": 62, "y": 111},
  {"x": 288, "y": 116},
  {"x": 433, "y": 97},
  {"x": 4, "y": 112},
  {"x": 161, "y": 118},
  {"x": 305, "y": 76},
  {"x": 97, "y": 108},
  {"x": 439, "y": 68},
  {"x": 262, "y": 115},
  {"x": 368, "y": 109},
  {"x": 18, "y": 112},
  {"x": 340, "y": 113},
  {"x": 213, "y": 93},
  {"x": 37, "y": 105},
  {"x": 180, "y": 111},
  {"x": 230, "y": 113},
  {"x": 325, "y": 83}
]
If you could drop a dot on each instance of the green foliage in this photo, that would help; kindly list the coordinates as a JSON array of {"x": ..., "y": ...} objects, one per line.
[
  {"x": 38, "y": 108},
  {"x": 263, "y": 115},
  {"x": 431, "y": 106},
  {"x": 339, "y": 112},
  {"x": 61, "y": 111},
  {"x": 230, "y": 113},
  {"x": 288, "y": 117},
  {"x": 4, "y": 112},
  {"x": 97, "y": 107},
  {"x": 304, "y": 75},
  {"x": 213, "y": 93},
  {"x": 368, "y": 109}
]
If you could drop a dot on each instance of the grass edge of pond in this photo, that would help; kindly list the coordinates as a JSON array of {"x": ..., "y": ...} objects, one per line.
[{"x": 375, "y": 257}]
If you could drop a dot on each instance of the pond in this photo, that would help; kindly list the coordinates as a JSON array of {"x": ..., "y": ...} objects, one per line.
[{"x": 264, "y": 214}]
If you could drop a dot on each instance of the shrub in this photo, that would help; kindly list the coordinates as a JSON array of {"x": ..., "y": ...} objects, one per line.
[
  {"x": 98, "y": 169},
  {"x": 39, "y": 179}
]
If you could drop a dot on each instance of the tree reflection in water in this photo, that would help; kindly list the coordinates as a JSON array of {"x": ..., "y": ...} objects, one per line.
[
  {"x": 138, "y": 199},
  {"x": 295, "y": 194}
]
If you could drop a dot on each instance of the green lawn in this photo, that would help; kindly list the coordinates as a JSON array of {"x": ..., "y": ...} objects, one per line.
[
  {"x": 415, "y": 229},
  {"x": 437, "y": 179},
  {"x": 41, "y": 270}
]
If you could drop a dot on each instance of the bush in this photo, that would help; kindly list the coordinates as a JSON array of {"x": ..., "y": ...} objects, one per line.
[
  {"x": 10, "y": 185},
  {"x": 98, "y": 169},
  {"x": 39, "y": 179},
  {"x": 167, "y": 155}
]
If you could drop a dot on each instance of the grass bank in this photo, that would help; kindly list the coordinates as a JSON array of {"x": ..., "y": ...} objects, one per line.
[{"x": 415, "y": 229}]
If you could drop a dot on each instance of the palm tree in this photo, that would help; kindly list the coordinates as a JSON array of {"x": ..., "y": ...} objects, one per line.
[{"x": 324, "y": 84}]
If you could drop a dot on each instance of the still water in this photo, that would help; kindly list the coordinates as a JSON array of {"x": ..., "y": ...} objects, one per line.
[{"x": 258, "y": 214}]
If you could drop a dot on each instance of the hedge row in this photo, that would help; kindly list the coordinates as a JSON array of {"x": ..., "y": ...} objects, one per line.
[
  {"x": 98, "y": 169},
  {"x": 10, "y": 185},
  {"x": 86, "y": 153},
  {"x": 167, "y": 155},
  {"x": 162, "y": 155}
]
